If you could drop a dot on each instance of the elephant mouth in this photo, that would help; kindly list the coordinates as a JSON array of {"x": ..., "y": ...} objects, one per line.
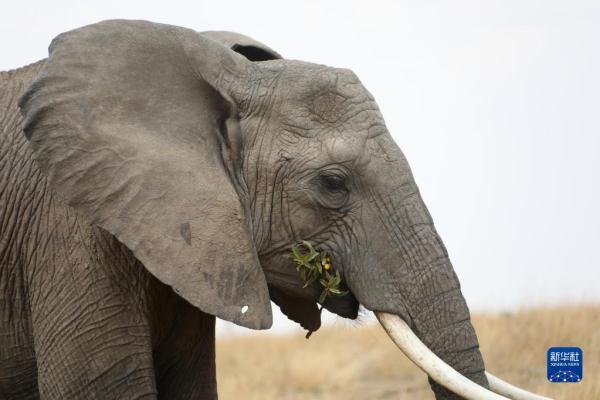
[
  {"x": 345, "y": 306},
  {"x": 307, "y": 313},
  {"x": 299, "y": 303},
  {"x": 281, "y": 274}
]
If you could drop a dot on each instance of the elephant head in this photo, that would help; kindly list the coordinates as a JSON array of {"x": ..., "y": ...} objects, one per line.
[{"x": 209, "y": 161}]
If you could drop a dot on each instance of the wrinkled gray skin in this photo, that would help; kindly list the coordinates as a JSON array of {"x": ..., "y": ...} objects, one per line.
[{"x": 158, "y": 179}]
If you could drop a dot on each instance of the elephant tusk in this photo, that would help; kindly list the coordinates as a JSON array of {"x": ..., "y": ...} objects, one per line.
[
  {"x": 430, "y": 363},
  {"x": 506, "y": 389},
  {"x": 439, "y": 371}
]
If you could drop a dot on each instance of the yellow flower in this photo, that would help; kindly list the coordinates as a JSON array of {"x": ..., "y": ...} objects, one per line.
[{"x": 327, "y": 266}]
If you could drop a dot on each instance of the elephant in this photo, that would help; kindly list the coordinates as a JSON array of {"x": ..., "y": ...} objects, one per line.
[{"x": 154, "y": 178}]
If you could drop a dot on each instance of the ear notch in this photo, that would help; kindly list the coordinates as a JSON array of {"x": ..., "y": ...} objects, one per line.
[
  {"x": 253, "y": 53},
  {"x": 139, "y": 136},
  {"x": 252, "y": 49}
]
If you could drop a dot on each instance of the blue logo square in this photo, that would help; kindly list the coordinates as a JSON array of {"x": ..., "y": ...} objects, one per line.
[{"x": 565, "y": 364}]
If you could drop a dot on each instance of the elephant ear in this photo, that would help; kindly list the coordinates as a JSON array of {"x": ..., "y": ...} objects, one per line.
[
  {"x": 135, "y": 124},
  {"x": 244, "y": 45}
]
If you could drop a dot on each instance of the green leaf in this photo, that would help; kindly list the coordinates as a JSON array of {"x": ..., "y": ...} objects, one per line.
[
  {"x": 309, "y": 265},
  {"x": 323, "y": 296},
  {"x": 296, "y": 252},
  {"x": 319, "y": 267}
]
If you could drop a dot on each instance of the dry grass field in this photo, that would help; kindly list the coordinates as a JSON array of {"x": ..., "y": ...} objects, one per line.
[{"x": 348, "y": 362}]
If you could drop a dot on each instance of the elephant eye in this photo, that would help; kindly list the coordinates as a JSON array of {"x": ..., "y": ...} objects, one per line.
[
  {"x": 333, "y": 183},
  {"x": 333, "y": 192}
]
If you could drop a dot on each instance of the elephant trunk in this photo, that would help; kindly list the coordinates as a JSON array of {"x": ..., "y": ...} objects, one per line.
[
  {"x": 427, "y": 289},
  {"x": 430, "y": 319},
  {"x": 403, "y": 273},
  {"x": 441, "y": 320}
]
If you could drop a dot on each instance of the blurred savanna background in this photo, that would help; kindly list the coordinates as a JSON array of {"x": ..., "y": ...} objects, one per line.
[
  {"x": 495, "y": 104},
  {"x": 360, "y": 362}
]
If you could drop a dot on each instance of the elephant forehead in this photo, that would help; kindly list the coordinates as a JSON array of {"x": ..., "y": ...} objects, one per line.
[
  {"x": 320, "y": 100},
  {"x": 337, "y": 95}
]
